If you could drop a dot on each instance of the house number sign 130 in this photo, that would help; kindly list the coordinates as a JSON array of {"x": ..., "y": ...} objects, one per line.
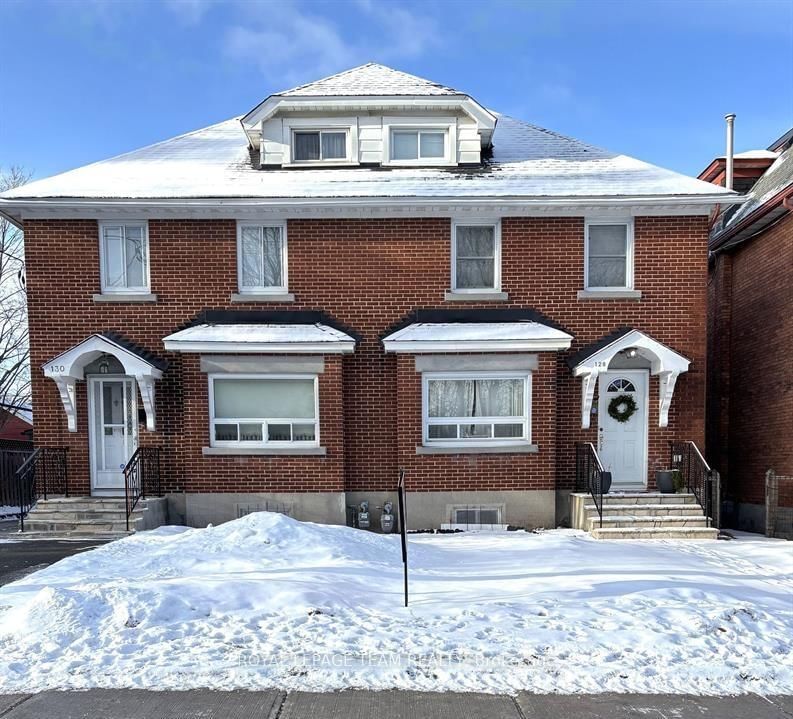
[{"x": 55, "y": 368}]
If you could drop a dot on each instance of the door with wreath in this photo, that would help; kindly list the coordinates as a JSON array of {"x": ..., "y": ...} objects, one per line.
[{"x": 622, "y": 428}]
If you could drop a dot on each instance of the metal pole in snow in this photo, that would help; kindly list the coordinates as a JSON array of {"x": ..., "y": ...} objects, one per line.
[{"x": 403, "y": 528}]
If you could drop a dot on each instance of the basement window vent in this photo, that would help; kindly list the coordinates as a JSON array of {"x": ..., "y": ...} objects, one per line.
[
  {"x": 244, "y": 509},
  {"x": 476, "y": 516}
]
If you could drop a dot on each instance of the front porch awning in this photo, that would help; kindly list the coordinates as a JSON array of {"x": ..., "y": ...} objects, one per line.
[
  {"x": 69, "y": 366},
  {"x": 589, "y": 362},
  {"x": 422, "y": 337},
  {"x": 261, "y": 338}
]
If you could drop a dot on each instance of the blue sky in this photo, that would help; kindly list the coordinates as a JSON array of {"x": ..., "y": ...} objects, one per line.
[{"x": 82, "y": 81}]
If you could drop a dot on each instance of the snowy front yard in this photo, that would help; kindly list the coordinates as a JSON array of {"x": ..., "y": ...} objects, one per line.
[{"x": 266, "y": 601}]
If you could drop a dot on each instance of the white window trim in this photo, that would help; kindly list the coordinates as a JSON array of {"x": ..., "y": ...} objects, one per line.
[
  {"x": 349, "y": 125},
  {"x": 448, "y": 125},
  {"x": 265, "y": 443},
  {"x": 426, "y": 377},
  {"x": 628, "y": 257},
  {"x": 281, "y": 289},
  {"x": 496, "y": 224},
  {"x": 144, "y": 290}
]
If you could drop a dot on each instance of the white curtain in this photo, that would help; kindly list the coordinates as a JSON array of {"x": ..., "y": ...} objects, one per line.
[
  {"x": 476, "y": 398},
  {"x": 476, "y": 254},
  {"x": 334, "y": 145},
  {"x": 262, "y": 257},
  {"x": 608, "y": 248}
]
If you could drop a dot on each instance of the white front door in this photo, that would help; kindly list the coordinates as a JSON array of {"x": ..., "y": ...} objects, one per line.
[
  {"x": 113, "y": 430},
  {"x": 622, "y": 446}
]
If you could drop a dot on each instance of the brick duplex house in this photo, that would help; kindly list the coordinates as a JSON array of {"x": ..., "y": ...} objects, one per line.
[{"x": 366, "y": 273}]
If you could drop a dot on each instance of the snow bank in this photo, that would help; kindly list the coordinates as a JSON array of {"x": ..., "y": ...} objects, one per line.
[{"x": 266, "y": 601}]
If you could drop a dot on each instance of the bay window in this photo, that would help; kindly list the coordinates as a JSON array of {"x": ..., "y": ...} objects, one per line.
[
  {"x": 261, "y": 257},
  {"x": 262, "y": 411},
  {"x": 488, "y": 408},
  {"x": 609, "y": 256},
  {"x": 124, "y": 257}
]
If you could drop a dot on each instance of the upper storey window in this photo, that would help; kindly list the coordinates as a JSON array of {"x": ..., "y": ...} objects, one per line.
[
  {"x": 476, "y": 256},
  {"x": 261, "y": 257},
  {"x": 418, "y": 145},
  {"x": 124, "y": 257},
  {"x": 319, "y": 145},
  {"x": 609, "y": 256}
]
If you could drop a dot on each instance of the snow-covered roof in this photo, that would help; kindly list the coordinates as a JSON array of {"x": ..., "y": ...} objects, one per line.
[
  {"x": 775, "y": 180},
  {"x": 370, "y": 79},
  {"x": 756, "y": 155},
  {"x": 476, "y": 336},
  {"x": 286, "y": 338},
  {"x": 214, "y": 163}
]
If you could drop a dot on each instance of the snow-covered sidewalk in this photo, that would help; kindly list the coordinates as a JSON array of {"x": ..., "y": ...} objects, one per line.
[{"x": 266, "y": 601}]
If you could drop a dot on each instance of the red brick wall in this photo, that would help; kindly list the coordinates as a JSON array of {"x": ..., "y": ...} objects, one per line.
[
  {"x": 368, "y": 274},
  {"x": 752, "y": 319}
]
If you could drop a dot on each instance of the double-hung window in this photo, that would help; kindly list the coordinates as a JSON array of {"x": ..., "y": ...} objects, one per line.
[
  {"x": 486, "y": 408},
  {"x": 261, "y": 252},
  {"x": 124, "y": 257},
  {"x": 416, "y": 145},
  {"x": 259, "y": 411},
  {"x": 319, "y": 145},
  {"x": 476, "y": 257},
  {"x": 608, "y": 256}
]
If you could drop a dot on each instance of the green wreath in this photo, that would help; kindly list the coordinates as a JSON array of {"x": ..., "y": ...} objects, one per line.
[{"x": 622, "y": 407}]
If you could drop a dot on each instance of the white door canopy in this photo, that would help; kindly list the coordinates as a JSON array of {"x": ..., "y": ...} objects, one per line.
[
  {"x": 589, "y": 362},
  {"x": 69, "y": 366}
]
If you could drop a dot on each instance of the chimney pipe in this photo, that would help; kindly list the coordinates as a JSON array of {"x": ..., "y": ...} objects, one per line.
[{"x": 730, "y": 153}]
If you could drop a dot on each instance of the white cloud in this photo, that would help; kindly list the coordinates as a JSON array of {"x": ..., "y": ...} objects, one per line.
[
  {"x": 190, "y": 12},
  {"x": 292, "y": 44}
]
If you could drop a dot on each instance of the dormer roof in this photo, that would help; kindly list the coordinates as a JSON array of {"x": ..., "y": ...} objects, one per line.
[
  {"x": 370, "y": 79},
  {"x": 371, "y": 86}
]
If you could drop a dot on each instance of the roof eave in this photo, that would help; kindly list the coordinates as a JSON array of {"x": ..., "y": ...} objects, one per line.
[{"x": 722, "y": 240}]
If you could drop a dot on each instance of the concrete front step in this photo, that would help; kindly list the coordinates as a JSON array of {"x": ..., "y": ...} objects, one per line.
[
  {"x": 84, "y": 504},
  {"x": 91, "y": 526},
  {"x": 628, "y": 521},
  {"x": 645, "y": 510},
  {"x": 648, "y": 498},
  {"x": 655, "y": 533},
  {"x": 100, "y": 515}
]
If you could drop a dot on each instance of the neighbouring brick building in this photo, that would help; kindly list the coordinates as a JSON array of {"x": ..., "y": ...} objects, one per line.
[
  {"x": 367, "y": 273},
  {"x": 750, "y": 331}
]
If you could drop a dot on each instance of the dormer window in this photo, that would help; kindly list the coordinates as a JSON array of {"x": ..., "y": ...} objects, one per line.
[
  {"x": 418, "y": 145},
  {"x": 319, "y": 146}
]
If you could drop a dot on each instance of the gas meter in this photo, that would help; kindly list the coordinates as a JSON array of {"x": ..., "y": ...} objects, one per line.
[{"x": 387, "y": 517}]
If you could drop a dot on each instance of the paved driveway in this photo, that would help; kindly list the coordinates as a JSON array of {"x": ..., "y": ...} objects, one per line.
[
  {"x": 205, "y": 704},
  {"x": 18, "y": 558}
]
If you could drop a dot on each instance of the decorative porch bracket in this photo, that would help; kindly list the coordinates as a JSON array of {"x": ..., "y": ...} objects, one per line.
[
  {"x": 588, "y": 386},
  {"x": 146, "y": 387},
  {"x": 666, "y": 388},
  {"x": 68, "y": 393}
]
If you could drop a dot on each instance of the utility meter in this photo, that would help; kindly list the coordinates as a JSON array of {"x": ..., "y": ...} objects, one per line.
[
  {"x": 363, "y": 515},
  {"x": 387, "y": 517}
]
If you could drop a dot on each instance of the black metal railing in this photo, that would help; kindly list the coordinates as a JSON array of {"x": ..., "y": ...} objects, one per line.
[
  {"x": 589, "y": 474},
  {"x": 142, "y": 477},
  {"x": 13, "y": 454},
  {"x": 43, "y": 473},
  {"x": 698, "y": 478}
]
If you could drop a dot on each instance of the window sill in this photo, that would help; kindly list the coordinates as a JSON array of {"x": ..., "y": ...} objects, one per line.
[
  {"x": 125, "y": 297},
  {"x": 484, "y": 296},
  {"x": 275, "y": 297},
  {"x": 497, "y": 449},
  {"x": 264, "y": 451},
  {"x": 609, "y": 294}
]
